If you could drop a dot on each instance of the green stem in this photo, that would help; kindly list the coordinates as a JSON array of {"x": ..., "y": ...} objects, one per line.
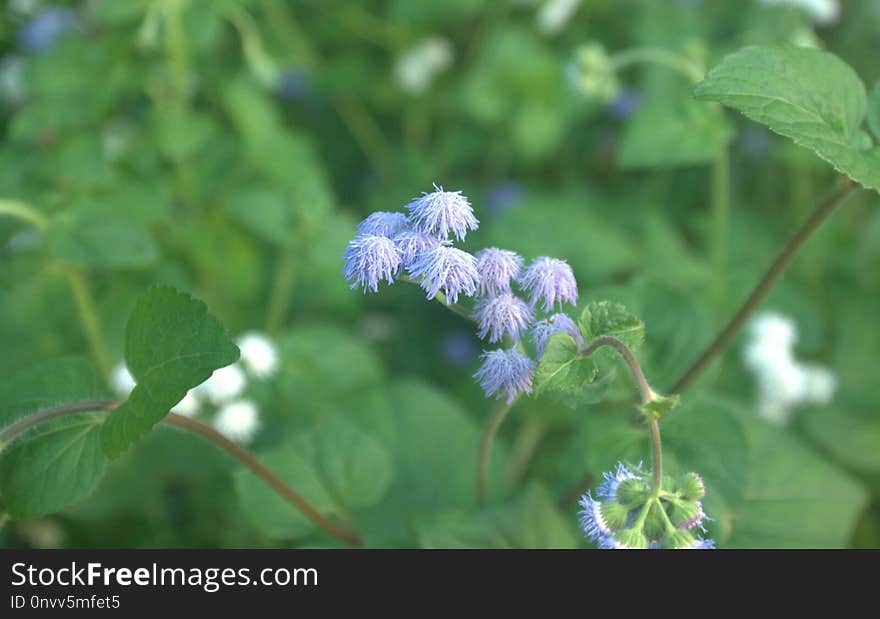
[
  {"x": 25, "y": 212},
  {"x": 693, "y": 71},
  {"x": 783, "y": 259},
  {"x": 657, "y": 457},
  {"x": 495, "y": 421},
  {"x": 720, "y": 217},
  {"x": 282, "y": 288},
  {"x": 88, "y": 315},
  {"x": 347, "y": 536}
]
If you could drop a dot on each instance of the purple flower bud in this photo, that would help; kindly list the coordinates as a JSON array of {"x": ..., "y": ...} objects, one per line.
[
  {"x": 505, "y": 373},
  {"x": 453, "y": 270},
  {"x": 550, "y": 280},
  {"x": 496, "y": 268},
  {"x": 442, "y": 212},
  {"x": 412, "y": 244},
  {"x": 557, "y": 323},
  {"x": 502, "y": 315},
  {"x": 608, "y": 489},
  {"x": 383, "y": 223},
  {"x": 370, "y": 258}
]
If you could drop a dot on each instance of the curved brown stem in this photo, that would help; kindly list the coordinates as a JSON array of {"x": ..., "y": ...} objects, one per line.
[
  {"x": 777, "y": 268},
  {"x": 196, "y": 427}
]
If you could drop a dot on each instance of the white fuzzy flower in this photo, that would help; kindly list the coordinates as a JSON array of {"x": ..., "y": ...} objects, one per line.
[
  {"x": 122, "y": 381},
  {"x": 238, "y": 421},
  {"x": 224, "y": 384},
  {"x": 554, "y": 15},
  {"x": 822, "y": 12},
  {"x": 417, "y": 67},
  {"x": 189, "y": 406},
  {"x": 258, "y": 354},
  {"x": 820, "y": 383}
]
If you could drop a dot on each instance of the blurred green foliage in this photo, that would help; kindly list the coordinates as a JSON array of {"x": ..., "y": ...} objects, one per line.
[{"x": 229, "y": 147}]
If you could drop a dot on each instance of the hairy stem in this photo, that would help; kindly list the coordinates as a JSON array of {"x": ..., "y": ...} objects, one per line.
[
  {"x": 656, "y": 456},
  {"x": 196, "y": 427},
  {"x": 495, "y": 421},
  {"x": 88, "y": 315},
  {"x": 693, "y": 71},
  {"x": 777, "y": 268}
]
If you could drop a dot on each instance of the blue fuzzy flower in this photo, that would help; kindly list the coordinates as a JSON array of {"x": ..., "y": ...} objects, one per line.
[
  {"x": 383, "y": 223},
  {"x": 412, "y": 244},
  {"x": 447, "y": 268},
  {"x": 550, "y": 280},
  {"x": 592, "y": 521},
  {"x": 505, "y": 373},
  {"x": 557, "y": 323},
  {"x": 502, "y": 315},
  {"x": 443, "y": 212},
  {"x": 497, "y": 267},
  {"x": 369, "y": 259},
  {"x": 608, "y": 488}
]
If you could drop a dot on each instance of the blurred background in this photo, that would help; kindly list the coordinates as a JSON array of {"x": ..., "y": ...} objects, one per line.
[{"x": 229, "y": 148}]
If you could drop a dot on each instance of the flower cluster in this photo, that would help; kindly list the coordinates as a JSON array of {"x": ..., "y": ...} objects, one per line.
[
  {"x": 237, "y": 417},
  {"x": 419, "y": 243},
  {"x": 784, "y": 382},
  {"x": 626, "y": 514}
]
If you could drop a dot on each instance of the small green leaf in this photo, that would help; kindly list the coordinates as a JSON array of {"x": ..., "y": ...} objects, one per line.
[
  {"x": 673, "y": 132},
  {"x": 172, "y": 344},
  {"x": 807, "y": 95},
  {"x": 96, "y": 238},
  {"x": 659, "y": 406},
  {"x": 52, "y": 466},
  {"x": 874, "y": 110},
  {"x": 562, "y": 370},
  {"x": 607, "y": 318}
]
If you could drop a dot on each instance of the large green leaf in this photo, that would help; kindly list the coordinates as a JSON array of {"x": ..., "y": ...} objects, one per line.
[
  {"x": 172, "y": 344},
  {"x": 55, "y": 464},
  {"x": 671, "y": 133},
  {"x": 807, "y": 95},
  {"x": 853, "y": 438},
  {"x": 793, "y": 498}
]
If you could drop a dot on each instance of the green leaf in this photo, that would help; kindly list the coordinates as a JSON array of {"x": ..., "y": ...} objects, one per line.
[
  {"x": 659, "y": 406},
  {"x": 607, "y": 318},
  {"x": 852, "y": 438},
  {"x": 807, "y": 95},
  {"x": 52, "y": 466},
  {"x": 355, "y": 467},
  {"x": 97, "y": 238},
  {"x": 533, "y": 520},
  {"x": 47, "y": 385},
  {"x": 561, "y": 369},
  {"x": 172, "y": 344},
  {"x": 268, "y": 512},
  {"x": 874, "y": 111},
  {"x": 673, "y": 132},
  {"x": 794, "y": 498}
]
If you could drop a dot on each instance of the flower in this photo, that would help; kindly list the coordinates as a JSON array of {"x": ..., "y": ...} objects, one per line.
[
  {"x": 238, "y": 421},
  {"x": 258, "y": 354},
  {"x": 505, "y": 373},
  {"x": 453, "y": 270},
  {"x": 550, "y": 280},
  {"x": 369, "y": 259},
  {"x": 416, "y": 67},
  {"x": 502, "y": 315},
  {"x": 383, "y": 223},
  {"x": 121, "y": 380},
  {"x": 442, "y": 212},
  {"x": 819, "y": 385},
  {"x": 496, "y": 268},
  {"x": 555, "y": 14},
  {"x": 189, "y": 406},
  {"x": 224, "y": 384},
  {"x": 612, "y": 481},
  {"x": 592, "y": 521},
  {"x": 412, "y": 244},
  {"x": 557, "y": 323}
]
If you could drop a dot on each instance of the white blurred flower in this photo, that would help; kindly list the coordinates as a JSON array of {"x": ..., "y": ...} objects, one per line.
[
  {"x": 416, "y": 68},
  {"x": 554, "y": 15},
  {"x": 12, "y": 86},
  {"x": 822, "y": 12},
  {"x": 121, "y": 380},
  {"x": 238, "y": 421},
  {"x": 258, "y": 354},
  {"x": 783, "y": 382},
  {"x": 189, "y": 406},
  {"x": 224, "y": 384}
]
